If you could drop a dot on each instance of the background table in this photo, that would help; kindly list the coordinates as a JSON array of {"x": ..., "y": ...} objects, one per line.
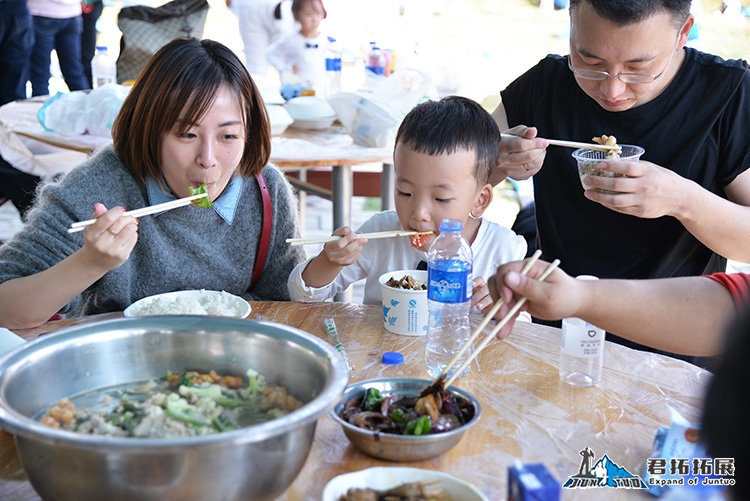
[{"x": 528, "y": 413}]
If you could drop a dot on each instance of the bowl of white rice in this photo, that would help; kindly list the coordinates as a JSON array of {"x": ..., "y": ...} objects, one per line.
[{"x": 194, "y": 302}]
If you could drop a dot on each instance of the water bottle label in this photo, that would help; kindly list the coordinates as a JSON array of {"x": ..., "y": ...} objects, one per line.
[
  {"x": 581, "y": 339},
  {"x": 378, "y": 70},
  {"x": 449, "y": 285},
  {"x": 333, "y": 64}
]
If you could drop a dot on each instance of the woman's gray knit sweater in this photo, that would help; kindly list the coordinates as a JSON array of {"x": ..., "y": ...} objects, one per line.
[{"x": 182, "y": 249}]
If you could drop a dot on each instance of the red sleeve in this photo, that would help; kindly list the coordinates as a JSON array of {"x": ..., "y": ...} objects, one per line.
[{"x": 738, "y": 285}]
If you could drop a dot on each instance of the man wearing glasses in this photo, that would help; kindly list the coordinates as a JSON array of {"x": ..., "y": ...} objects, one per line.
[{"x": 629, "y": 74}]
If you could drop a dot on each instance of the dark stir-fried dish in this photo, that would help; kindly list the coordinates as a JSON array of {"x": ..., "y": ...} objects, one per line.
[
  {"x": 413, "y": 491},
  {"x": 406, "y": 282},
  {"x": 435, "y": 412},
  {"x": 178, "y": 405}
]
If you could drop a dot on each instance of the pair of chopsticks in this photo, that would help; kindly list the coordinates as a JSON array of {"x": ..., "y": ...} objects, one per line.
[
  {"x": 497, "y": 327},
  {"x": 574, "y": 144},
  {"x": 379, "y": 234},
  {"x": 173, "y": 204}
]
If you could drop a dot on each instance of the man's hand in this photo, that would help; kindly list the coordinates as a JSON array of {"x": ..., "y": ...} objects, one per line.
[
  {"x": 520, "y": 156},
  {"x": 648, "y": 190},
  {"x": 553, "y": 299}
]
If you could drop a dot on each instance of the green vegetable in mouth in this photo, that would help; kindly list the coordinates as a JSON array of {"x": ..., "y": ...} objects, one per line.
[{"x": 204, "y": 202}]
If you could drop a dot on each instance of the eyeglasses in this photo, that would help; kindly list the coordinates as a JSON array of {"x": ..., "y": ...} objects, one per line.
[{"x": 630, "y": 78}]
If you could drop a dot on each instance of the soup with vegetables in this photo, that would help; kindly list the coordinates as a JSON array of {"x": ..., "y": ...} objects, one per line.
[{"x": 178, "y": 405}]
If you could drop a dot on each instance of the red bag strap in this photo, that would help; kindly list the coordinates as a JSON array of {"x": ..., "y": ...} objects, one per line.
[{"x": 265, "y": 234}]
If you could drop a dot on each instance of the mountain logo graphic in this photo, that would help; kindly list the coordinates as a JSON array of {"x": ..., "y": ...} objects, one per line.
[{"x": 604, "y": 473}]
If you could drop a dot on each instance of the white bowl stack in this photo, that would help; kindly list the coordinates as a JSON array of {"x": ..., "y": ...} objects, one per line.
[{"x": 310, "y": 112}]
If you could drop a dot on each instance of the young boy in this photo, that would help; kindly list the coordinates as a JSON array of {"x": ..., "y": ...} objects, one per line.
[{"x": 444, "y": 153}]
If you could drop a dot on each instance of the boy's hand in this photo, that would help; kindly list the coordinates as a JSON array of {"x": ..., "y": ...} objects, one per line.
[
  {"x": 480, "y": 296},
  {"x": 345, "y": 251}
]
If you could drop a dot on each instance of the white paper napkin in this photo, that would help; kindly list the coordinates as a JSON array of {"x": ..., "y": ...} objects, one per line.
[{"x": 9, "y": 340}]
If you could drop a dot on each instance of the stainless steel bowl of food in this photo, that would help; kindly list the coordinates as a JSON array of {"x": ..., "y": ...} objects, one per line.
[
  {"x": 249, "y": 463},
  {"x": 394, "y": 446}
]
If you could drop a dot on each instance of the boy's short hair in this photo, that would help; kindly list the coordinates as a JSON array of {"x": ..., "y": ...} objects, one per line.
[
  {"x": 450, "y": 124},
  {"x": 187, "y": 70}
]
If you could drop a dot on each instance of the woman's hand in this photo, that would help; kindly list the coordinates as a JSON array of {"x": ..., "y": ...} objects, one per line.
[{"x": 109, "y": 241}]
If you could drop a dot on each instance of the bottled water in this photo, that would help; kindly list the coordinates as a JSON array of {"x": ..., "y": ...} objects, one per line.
[
  {"x": 449, "y": 272},
  {"x": 103, "y": 68},
  {"x": 581, "y": 351},
  {"x": 375, "y": 61},
  {"x": 333, "y": 68}
]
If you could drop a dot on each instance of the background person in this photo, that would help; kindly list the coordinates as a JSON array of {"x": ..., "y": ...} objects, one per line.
[
  {"x": 630, "y": 75},
  {"x": 220, "y": 137},
  {"x": 442, "y": 160},
  {"x": 261, "y": 22},
  {"x": 57, "y": 26},
  {"x": 91, "y": 12},
  {"x": 16, "y": 42},
  {"x": 300, "y": 57}
]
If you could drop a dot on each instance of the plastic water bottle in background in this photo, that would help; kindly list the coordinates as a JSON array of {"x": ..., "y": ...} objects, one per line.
[
  {"x": 449, "y": 272},
  {"x": 333, "y": 68},
  {"x": 375, "y": 60},
  {"x": 582, "y": 350},
  {"x": 103, "y": 68}
]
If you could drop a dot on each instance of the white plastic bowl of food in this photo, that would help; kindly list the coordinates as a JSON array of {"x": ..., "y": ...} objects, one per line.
[
  {"x": 388, "y": 477},
  {"x": 192, "y": 302},
  {"x": 404, "y": 309}
]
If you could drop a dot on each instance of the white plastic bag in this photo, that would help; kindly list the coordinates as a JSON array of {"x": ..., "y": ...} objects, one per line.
[
  {"x": 83, "y": 112},
  {"x": 102, "y": 106},
  {"x": 63, "y": 113},
  {"x": 372, "y": 118}
]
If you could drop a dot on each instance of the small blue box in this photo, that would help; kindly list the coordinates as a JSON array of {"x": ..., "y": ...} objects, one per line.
[{"x": 532, "y": 482}]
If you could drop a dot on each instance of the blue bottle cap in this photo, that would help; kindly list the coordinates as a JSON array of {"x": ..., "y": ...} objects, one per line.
[
  {"x": 450, "y": 225},
  {"x": 392, "y": 357}
]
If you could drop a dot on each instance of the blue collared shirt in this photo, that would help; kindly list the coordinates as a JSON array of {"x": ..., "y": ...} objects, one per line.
[{"x": 225, "y": 206}]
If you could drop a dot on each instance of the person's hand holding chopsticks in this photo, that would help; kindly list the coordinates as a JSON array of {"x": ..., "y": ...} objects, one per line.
[
  {"x": 552, "y": 299},
  {"x": 326, "y": 266},
  {"x": 110, "y": 239},
  {"x": 521, "y": 154}
]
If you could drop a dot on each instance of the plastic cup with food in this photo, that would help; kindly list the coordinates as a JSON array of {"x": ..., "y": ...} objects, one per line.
[
  {"x": 404, "y": 295},
  {"x": 589, "y": 160}
]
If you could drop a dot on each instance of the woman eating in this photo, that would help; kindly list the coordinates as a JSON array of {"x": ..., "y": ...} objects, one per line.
[{"x": 193, "y": 117}]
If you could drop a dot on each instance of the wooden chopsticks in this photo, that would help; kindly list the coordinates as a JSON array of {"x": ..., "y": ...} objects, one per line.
[
  {"x": 575, "y": 144},
  {"x": 333, "y": 238},
  {"x": 145, "y": 211},
  {"x": 497, "y": 327}
]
